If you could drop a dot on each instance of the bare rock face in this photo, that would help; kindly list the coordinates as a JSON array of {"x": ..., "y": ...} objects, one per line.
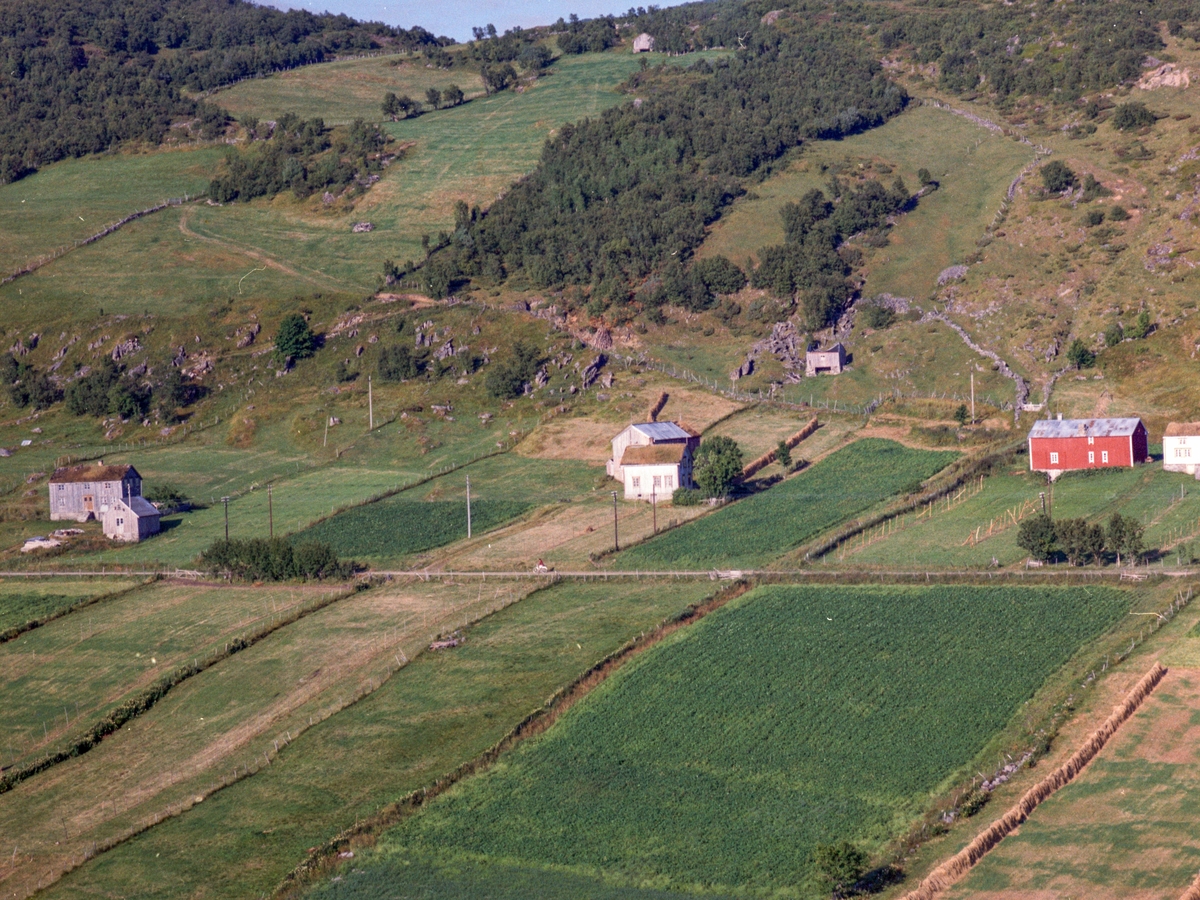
[
  {"x": 592, "y": 372},
  {"x": 359, "y": 350},
  {"x": 446, "y": 350},
  {"x": 743, "y": 370},
  {"x": 542, "y": 378},
  {"x": 362, "y": 227},
  {"x": 606, "y": 380},
  {"x": 125, "y": 348},
  {"x": 247, "y": 335},
  {"x": 602, "y": 339}
]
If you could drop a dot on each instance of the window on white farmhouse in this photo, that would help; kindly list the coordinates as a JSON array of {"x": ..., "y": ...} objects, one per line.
[
  {"x": 658, "y": 481},
  {"x": 1053, "y": 459},
  {"x": 1103, "y": 456},
  {"x": 637, "y": 481},
  {"x": 670, "y": 481}
]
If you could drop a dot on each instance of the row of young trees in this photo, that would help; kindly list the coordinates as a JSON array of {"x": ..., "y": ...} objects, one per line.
[
  {"x": 81, "y": 76},
  {"x": 1080, "y": 541}
]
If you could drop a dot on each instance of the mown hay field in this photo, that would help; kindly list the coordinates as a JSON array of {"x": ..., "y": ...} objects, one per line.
[
  {"x": 233, "y": 715},
  {"x": 25, "y": 600},
  {"x": 792, "y": 716},
  {"x": 1124, "y": 828},
  {"x": 765, "y": 526},
  {"x": 60, "y": 679},
  {"x": 443, "y": 709}
]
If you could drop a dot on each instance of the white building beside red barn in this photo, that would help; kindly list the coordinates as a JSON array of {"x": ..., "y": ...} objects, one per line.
[
  {"x": 1181, "y": 448},
  {"x": 1065, "y": 445}
]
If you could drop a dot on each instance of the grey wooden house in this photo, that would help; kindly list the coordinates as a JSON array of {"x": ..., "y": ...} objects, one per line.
[{"x": 110, "y": 494}]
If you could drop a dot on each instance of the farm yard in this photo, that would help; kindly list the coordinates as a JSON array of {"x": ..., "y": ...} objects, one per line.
[
  {"x": 899, "y": 731},
  {"x": 760, "y": 529}
]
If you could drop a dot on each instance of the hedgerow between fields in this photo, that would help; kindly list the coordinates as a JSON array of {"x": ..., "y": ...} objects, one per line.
[{"x": 794, "y": 716}]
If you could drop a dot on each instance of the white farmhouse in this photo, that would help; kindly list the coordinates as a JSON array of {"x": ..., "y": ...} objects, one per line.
[
  {"x": 643, "y": 43},
  {"x": 652, "y": 459},
  {"x": 1181, "y": 448}
]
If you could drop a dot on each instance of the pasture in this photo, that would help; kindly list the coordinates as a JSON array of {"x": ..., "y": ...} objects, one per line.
[
  {"x": 442, "y": 709},
  {"x": 863, "y": 703},
  {"x": 227, "y": 721},
  {"x": 972, "y": 165},
  {"x": 342, "y": 91},
  {"x": 27, "y": 600},
  {"x": 76, "y": 198},
  {"x": 759, "y": 529},
  {"x": 182, "y": 258},
  {"x": 1166, "y": 503}
]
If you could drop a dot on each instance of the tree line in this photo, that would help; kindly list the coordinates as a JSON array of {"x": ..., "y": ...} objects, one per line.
[
  {"x": 618, "y": 203},
  {"x": 1081, "y": 542},
  {"x": 82, "y": 76}
]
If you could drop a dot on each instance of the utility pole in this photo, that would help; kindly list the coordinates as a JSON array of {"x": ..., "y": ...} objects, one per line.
[
  {"x": 616, "y": 538},
  {"x": 654, "y": 507},
  {"x": 325, "y": 442},
  {"x": 270, "y": 512},
  {"x": 468, "y": 506},
  {"x": 370, "y": 406},
  {"x": 225, "y": 500},
  {"x": 972, "y": 398}
]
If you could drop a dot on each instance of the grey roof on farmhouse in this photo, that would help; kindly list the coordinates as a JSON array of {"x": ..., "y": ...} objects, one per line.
[
  {"x": 141, "y": 506},
  {"x": 1065, "y": 428},
  {"x": 662, "y": 431}
]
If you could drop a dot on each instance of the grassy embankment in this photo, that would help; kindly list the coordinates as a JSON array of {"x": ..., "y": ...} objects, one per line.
[
  {"x": 719, "y": 809},
  {"x": 443, "y": 709}
]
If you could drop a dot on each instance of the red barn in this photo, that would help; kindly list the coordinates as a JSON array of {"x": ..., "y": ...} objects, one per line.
[{"x": 1063, "y": 445}]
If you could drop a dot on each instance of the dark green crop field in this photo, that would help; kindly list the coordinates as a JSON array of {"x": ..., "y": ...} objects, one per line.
[
  {"x": 761, "y": 528},
  {"x": 392, "y": 528},
  {"x": 793, "y": 716}
]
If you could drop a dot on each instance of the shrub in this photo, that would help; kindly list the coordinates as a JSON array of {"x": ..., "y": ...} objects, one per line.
[
  {"x": 1113, "y": 335},
  {"x": 295, "y": 339},
  {"x": 1131, "y": 116},
  {"x": 839, "y": 866},
  {"x": 1141, "y": 327},
  {"x": 783, "y": 455},
  {"x": 875, "y": 315},
  {"x": 1079, "y": 355},
  {"x": 1057, "y": 176},
  {"x": 1124, "y": 537},
  {"x": 719, "y": 275},
  {"x": 507, "y": 379},
  {"x": 1093, "y": 217},
  {"x": 962, "y": 414},
  {"x": 259, "y": 559},
  {"x": 1118, "y": 214},
  {"x": 398, "y": 363},
  {"x": 687, "y": 497},
  {"x": 718, "y": 465}
]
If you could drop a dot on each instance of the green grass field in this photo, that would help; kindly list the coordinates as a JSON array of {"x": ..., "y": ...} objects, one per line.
[
  {"x": 25, "y": 600},
  {"x": 76, "y": 198},
  {"x": 340, "y": 92},
  {"x": 973, "y": 165},
  {"x": 763, "y": 527},
  {"x": 441, "y": 710},
  {"x": 182, "y": 258},
  {"x": 395, "y": 527},
  {"x": 1171, "y": 519},
  {"x": 791, "y": 717}
]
